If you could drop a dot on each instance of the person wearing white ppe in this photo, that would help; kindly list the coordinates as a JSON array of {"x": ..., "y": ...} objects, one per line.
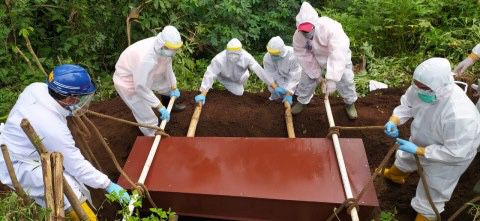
[
  {"x": 444, "y": 134},
  {"x": 230, "y": 67},
  {"x": 282, "y": 66},
  {"x": 144, "y": 67},
  {"x": 463, "y": 66},
  {"x": 323, "y": 50},
  {"x": 68, "y": 92}
]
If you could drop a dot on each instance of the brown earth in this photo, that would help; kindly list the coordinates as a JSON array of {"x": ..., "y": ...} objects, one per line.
[{"x": 253, "y": 115}]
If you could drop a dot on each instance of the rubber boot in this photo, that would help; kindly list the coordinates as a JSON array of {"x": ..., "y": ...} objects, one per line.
[
  {"x": 297, "y": 108},
  {"x": 395, "y": 175},
  {"x": 176, "y": 107},
  {"x": 420, "y": 217},
  {"x": 71, "y": 215},
  {"x": 351, "y": 111}
]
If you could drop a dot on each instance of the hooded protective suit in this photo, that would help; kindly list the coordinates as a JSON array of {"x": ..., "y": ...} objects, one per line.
[
  {"x": 449, "y": 130},
  {"x": 48, "y": 119},
  {"x": 328, "y": 52},
  {"x": 140, "y": 70},
  {"x": 284, "y": 70},
  {"x": 232, "y": 72}
]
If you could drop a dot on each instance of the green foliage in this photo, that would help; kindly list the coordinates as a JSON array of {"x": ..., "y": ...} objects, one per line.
[
  {"x": 474, "y": 210},
  {"x": 11, "y": 208},
  {"x": 388, "y": 215},
  {"x": 157, "y": 214}
]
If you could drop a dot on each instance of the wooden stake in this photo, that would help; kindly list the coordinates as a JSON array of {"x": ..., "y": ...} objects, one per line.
[
  {"x": 47, "y": 184},
  {"x": 35, "y": 58},
  {"x": 57, "y": 167},
  {"x": 193, "y": 123},
  {"x": 37, "y": 143},
  {"x": 289, "y": 120},
  {"x": 13, "y": 176}
]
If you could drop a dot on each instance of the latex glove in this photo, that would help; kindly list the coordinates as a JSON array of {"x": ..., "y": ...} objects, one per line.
[
  {"x": 115, "y": 188},
  {"x": 280, "y": 91},
  {"x": 391, "y": 129},
  {"x": 287, "y": 98},
  {"x": 164, "y": 114},
  {"x": 407, "y": 146},
  {"x": 330, "y": 87},
  {"x": 175, "y": 93},
  {"x": 200, "y": 99},
  {"x": 463, "y": 66}
]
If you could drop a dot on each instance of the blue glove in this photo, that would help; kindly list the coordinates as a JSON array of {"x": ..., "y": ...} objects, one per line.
[
  {"x": 287, "y": 98},
  {"x": 280, "y": 91},
  {"x": 115, "y": 188},
  {"x": 407, "y": 146},
  {"x": 165, "y": 115},
  {"x": 175, "y": 93},
  {"x": 200, "y": 99},
  {"x": 391, "y": 129}
]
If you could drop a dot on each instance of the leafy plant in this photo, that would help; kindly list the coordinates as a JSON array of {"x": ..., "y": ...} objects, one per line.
[
  {"x": 388, "y": 215},
  {"x": 11, "y": 208}
]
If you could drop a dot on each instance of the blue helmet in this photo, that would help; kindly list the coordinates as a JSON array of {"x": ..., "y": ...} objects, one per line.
[{"x": 70, "y": 80}]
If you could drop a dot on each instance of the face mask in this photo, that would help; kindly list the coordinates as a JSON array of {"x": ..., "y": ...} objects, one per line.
[
  {"x": 276, "y": 57},
  {"x": 426, "y": 96},
  {"x": 309, "y": 35},
  {"x": 79, "y": 108},
  {"x": 233, "y": 57},
  {"x": 164, "y": 52}
]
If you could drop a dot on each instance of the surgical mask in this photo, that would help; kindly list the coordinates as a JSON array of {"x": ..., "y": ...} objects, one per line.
[
  {"x": 428, "y": 97},
  {"x": 165, "y": 52},
  {"x": 276, "y": 57},
  {"x": 80, "y": 107},
  {"x": 233, "y": 57},
  {"x": 309, "y": 35}
]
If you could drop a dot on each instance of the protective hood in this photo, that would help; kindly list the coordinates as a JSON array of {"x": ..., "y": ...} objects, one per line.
[
  {"x": 436, "y": 73},
  {"x": 276, "y": 47},
  {"x": 306, "y": 14},
  {"x": 169, "y": 37}
]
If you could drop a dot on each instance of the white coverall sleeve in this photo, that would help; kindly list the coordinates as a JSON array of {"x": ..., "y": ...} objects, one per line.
[
  {"x": 171, "y": 75},
  {"x": 404, "y": 110},
  {"x": 140, "y": 78},
  {"x": 295, "y": 75},
  {"x": 254, "y": 66},
  {"x": 211, "y": 74},
  {"x": 59, "y": 139},
  {"x": 305, "y": 57},
  {"x": 338, "y": 46},
  {"x": 458, "y": 141},
  {"x": 476, "y": 50}
]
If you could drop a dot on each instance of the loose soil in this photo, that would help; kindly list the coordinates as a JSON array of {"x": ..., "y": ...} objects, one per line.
[{"x": 253, "y": 115}]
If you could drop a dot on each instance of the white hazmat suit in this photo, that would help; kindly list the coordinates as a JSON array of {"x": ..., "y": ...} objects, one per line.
[
  {"x": 230, "y": 67},
  {"x": 328, "y": 52},
  {"x": 48, "y": 119},
  {"x": 449, "y": 129},
  {"x": 282, "y": 68},
  {"x": 140, "y": 70}
]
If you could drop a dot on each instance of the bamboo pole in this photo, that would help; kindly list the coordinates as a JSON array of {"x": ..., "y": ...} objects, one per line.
[
  {"x": 57, "y": 168},
  {"x": 289, "y": 120},
  {"x": 37, "y": 143},
  {"x": 47, "y": 184},
  {"x": 13, "y": 176},
  {"x": 193, "y": 123},
  {"x": 35, "y": 58}
]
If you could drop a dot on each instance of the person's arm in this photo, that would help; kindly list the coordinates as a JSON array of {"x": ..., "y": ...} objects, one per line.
[
  {"x": 211, "y": 74},
  {"x": 304, "y": 55},
  {"x": 140, "y": 77},
  {"x": 403, "y": 112},
  {"x": 294, "y": 75},
  {"x": 258, "y": 70},
  {"x": 338, "y": 46},
  {"x": 171, "y": 75}
]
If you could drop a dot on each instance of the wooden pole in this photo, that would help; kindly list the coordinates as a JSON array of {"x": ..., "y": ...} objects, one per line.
[
  {"x": 47, "y": 184},
  {"x": 57, "y": 167},
  {"x": 289, "y": 120},
  {"x": 193, "y": 123},
  {"x": 13, "y": 176},
  {"x": 37, "y": 143}
]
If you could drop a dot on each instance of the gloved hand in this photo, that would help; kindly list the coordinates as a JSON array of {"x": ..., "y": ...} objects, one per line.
[
  {"x": 115, "y": 188},
  {"x": 391, "y": 129},
  {"x": 407, "y": 146},
  {"x": 288, "y": 98},
  {"x": 164, "y": 114},
  {"x": 330, "y": 87},
  {"x": 200, "y": 99},
  {"x": 175, "y": 93},
  {"x": 463, "y": 66},
  {"x": 280, "y": 91}
]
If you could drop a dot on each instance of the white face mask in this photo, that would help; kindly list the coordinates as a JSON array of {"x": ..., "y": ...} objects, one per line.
[
  {"x": 165, "y": 52},
  {"x": 233, "y": 57}
]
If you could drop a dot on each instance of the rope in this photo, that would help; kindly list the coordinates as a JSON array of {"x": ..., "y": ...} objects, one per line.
[
  {"x": 82, "y": 143},
  {"x": 159, "y": 130},
  {"x": 332, "y": 131},
  {"x": 82, "y": 128},
  {"x": 336, "y": 129},
  {"x": 143, "y": 189},
  {"x": 465, "y": 206},
  {"x": 425, "y": 187},
  {"x": 352, "y": 203}
]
